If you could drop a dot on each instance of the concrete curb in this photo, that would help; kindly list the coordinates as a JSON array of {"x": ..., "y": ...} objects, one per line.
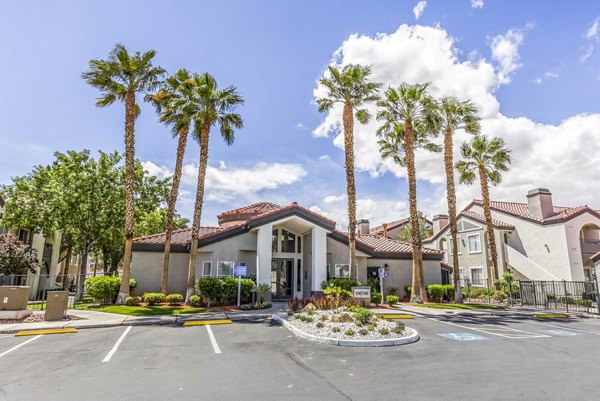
[{"x": 414, "y": 337}]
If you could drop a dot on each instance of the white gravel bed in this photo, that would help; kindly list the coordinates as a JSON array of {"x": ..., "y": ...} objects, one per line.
[{"x": 327, "y": 331}]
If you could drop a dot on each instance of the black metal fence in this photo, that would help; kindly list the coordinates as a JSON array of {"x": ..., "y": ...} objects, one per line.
[{"x": 567, "y": 296}]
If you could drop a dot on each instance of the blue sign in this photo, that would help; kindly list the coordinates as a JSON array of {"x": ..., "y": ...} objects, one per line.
[
  {"x": 240, "y": 271},
  {"x": 463, "y": 336}
]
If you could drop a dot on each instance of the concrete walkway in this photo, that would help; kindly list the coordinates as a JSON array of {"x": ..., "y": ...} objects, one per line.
[{"x": 94, "y": 319}]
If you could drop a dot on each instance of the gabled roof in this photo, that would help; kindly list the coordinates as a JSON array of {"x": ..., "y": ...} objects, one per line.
[
  {"x": 473, "y": 216},
  {"x": 521, "y": 210},
  {"x": 390, "y": 226},
  {"x": 208, "y": 235},
  {"x": 379, "y": 246},
  {"x": 256, "y": 208}
]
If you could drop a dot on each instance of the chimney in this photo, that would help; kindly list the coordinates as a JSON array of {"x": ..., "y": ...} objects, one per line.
[
  {"x": 539, "y": 203},
  {"x": 363, "y": 227},
  {"x": 439, "y": 222},
  {"x": 385, "y": 231}
]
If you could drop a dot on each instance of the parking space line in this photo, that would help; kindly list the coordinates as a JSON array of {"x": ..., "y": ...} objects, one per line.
[
  {"x": 19, "y": 345},
  {"x": 566, "y": 328},
  {"x": 488, "y": 331},
  {"x": 117, "y": 344},
  {"x": 213, "y": 340}
]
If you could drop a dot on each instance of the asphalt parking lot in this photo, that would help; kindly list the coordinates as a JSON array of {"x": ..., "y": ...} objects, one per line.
[{"x": 457, "y": 357}]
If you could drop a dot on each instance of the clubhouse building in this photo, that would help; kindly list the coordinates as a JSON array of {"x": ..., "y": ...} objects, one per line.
[{"x": 290, "y": 247}]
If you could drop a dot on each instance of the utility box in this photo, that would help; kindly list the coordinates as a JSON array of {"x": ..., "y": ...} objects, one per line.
[
  {"x": 56, "y": 305},
  {"x": 13, "y": 297},
  {"x": 362, "y": 294}
]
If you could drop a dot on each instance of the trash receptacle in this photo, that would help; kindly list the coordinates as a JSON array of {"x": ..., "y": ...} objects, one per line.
[{"x": 56, "y": 305}]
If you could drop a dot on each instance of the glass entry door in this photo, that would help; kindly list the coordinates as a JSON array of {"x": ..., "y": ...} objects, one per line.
[{"x": 282, "y": 277}]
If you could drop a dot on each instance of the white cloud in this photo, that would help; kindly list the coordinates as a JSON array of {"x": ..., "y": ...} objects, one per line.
[
  {"x": 587, "y": 53},
  {"x": 505, "y": 51},
  {"x": 324, "y": 157},
  {"x": 301, "y": 127},
  {"x": 477, "y": 3},
  {"x": 155, "y": 170},
  {"x": 334, "y": 198},
  {"x": 592, "y": 31},
  {"x": 547, "y": 75},
  {"x": 563, "y": 157},
  {"x": 419, "y": 8}
]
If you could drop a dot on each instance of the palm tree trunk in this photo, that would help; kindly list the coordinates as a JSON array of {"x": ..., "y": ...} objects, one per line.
[
  {"x": 451, "y": 195},
  {"x": 418, "y": 293},
  {"x": 348, "y": 120},
  {"x": 130, "y": 116},
  {"x": 485, "y": 193},
  {"x": 164, "y": 282},
  {"x": 204, "y": 133},
  {"x": 82, "y": 270}
]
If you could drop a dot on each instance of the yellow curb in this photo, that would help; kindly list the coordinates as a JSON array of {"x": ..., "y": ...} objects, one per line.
[
  {"x": 396, "y": 316},
  {"x": 45, "y": 332},
  {"x": 206, "y": 322},
  {"x": 550, "y": 316}
]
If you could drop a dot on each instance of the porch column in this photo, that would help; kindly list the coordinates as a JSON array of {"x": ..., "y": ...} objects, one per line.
[
  {"x": 318, "y": 256},
  {"x": 264, "y": 254}
]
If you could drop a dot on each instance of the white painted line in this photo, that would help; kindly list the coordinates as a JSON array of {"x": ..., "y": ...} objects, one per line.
[
  {"x": 116, "y": 346},
  {"x": 566, "y": 328},
  {"x": 20, "y": 345},
  {"x": 517, "y": 335},
  {"x": 213, "y": 340}
]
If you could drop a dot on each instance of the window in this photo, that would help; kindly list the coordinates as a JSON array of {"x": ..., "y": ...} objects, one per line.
[
  {"x": 461, "y": 273},
  {"x": 474, "y": 241},
  {"x": 299, "y": 276},
  {"x": 288, "y": 241},
  {"x": 342, "y": 271},
  {"x": 458, "y": 245},
  {"x": 299, "y": 244},
  {"x": 206, "y": 268},
  {"x": 274, "y": 241},
  {"x": 477, "y": 276},
  {"x": 225, "y": 269}
]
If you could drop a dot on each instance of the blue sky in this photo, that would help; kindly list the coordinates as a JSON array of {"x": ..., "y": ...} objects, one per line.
[{"x": 537, "y": 78}]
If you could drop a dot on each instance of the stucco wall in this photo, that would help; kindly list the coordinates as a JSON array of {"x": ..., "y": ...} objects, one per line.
[
  {"x": 146, "y": 269},
  {"x": 572, "y": 229}
]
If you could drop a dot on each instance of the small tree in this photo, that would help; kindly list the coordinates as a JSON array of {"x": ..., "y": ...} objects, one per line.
[
  {"x": 16, "y": 257},
  {"x": 425, "y": 230}
]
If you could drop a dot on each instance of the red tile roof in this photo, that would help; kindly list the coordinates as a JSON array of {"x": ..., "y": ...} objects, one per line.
[
  {"x": 521, "y": 210},
  {"x": 383, "y": 244},
  {"x": 256, "y": 208},
  {"x": 481, "y": 218},
  {"x": 180, "y": 237},
  {"x": 391, "y": 225}
]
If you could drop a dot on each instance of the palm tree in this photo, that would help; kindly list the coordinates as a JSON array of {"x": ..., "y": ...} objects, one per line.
[
  {"x": 176, "y": 104},
  {"x": 455, "y": 115},
  {"x": 120, "y": 77},
  {"x": 488, "y": 158},
  {"x": 350, "y": 87},
  {"x": 409, "y": 120},
  {"x": 213, "y": 106}
]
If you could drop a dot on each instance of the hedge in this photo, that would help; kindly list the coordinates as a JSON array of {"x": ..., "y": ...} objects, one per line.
[{"x": 104, "y": 289}]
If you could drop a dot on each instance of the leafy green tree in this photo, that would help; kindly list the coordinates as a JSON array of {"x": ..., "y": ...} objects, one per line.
[
  {"x": 213, "y": 106},
  {"x": 82, "y": 197},
  {"x": 488, "y": 159},
  {"x": 408, "y": 122},
  {"x": 120, "y": 77},
  {"x": 425, "y": 230},
  {"x": 156, "y": 222},
  {"x": 351, "y": 87},
  {"x": 16, "y": 257},
  {"x": 455, "y": 115}
]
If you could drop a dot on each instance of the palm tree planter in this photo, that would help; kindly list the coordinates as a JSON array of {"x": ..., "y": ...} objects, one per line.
[
  {"x": 488, "y": 159},
  {"x": 409, "y": 120},
  {"x": 455, "y": 115},
  {"x": 211, "y": 106},
  {"x": 351, "y": 88},
  {"x": 120, "y": 77}
]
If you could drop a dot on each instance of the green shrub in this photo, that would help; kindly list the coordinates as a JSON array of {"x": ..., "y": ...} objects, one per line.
[
  {"x": 336, "y": 295},
  {"x": 392, "y": 299},
  {"x": 323, "y": 318},
  {"x": 103, "y": 289},
  {"x": 399, "y": 329},
  {"x": 196, "y": 301},
  {"x": 384, "y": 332},
  {"x": 363, "y": 332},
  {"x": 363, "y": 315},
  {"x": 132, "y": 301},
  {"x": 349, "y": 332},
  {"x": 336, "y": 329},
  {"x": 376, "y": 298},
  {"x": 306, "y": 319},
  {"x": 408, "y": 291},
  {"x": 343, "y": 283},
  {"x": 132, "y": 284},
  {"x": 392, "y": 291},
  {"x": 437, "y": 292},
  {"x": 154, "y": 298},
  {"x": 230, "y": 290},
  {"x": 449, "y": 291},
  {"x": 371, "y": 326},
  {"x": 210, "y": 288},
  {"x": 174, "y": 299},
  {"x": 320, "y": 325},
  {"x": 584, "y": 302}
]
